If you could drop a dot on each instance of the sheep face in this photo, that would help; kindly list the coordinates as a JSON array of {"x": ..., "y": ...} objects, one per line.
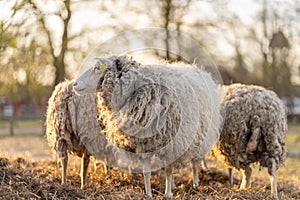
[{"x": 91, "y": 78}]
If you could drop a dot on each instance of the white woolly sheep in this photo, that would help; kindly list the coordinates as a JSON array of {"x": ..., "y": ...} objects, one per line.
[
  {"x": 70, "y": 118},
  {"x": 170, "y": 112},
  {"x": 253, "y": 132}
]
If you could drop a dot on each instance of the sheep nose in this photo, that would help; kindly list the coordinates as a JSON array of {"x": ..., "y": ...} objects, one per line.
[{"x": 75, "y": 83}]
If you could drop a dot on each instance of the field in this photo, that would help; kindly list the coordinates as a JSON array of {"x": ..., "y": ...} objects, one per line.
[{"x": 28, "y": 171}]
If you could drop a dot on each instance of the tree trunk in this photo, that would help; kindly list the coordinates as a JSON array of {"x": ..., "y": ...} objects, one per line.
[
  {"x": 11, "y": 125},
  {"x": 60, "y": 73},
  {"x": 59, "y": 61},
  {"x": 167, "y": 10}
]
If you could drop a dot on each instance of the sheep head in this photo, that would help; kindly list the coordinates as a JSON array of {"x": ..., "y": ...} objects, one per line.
[
  {"x": 88, "y": 81},
  {"x": 105, "y": 69}
]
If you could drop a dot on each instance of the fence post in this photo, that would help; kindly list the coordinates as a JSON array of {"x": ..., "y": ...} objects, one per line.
[{"x": 11, "y": 125}]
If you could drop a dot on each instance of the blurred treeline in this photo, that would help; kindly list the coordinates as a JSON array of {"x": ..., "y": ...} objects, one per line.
[{"x": 42, "y": 42}]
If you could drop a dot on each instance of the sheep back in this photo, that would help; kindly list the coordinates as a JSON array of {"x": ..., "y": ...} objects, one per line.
[
  {"x": 171, "y": 111},
  {"x": 72, "y": 125},
  {"x": 253, "y": 129},
  {"x": 60, "y": 121}
]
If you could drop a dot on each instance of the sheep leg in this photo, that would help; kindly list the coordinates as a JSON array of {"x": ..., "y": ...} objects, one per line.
[
  {"x": 85, "y": 160},
  {"x": 246, "y": 177},
  {"x": 64, "y": 164},
  {"x": 147, "y": 174},
  {"x": 230, "y": 177},
  {"x": 204, "y": 165},
  {"x": 95, "y": 165},
  {"x": 195, "y": 173},
  {"x": 106, "y": 169},
  {"x": 272, "y": 176},
  {"x": 169, "y": 180},
  {"x": 103, "y": 163}
]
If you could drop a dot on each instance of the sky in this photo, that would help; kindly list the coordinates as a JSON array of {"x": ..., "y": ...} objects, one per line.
[
  {"x": 89, "y": 15},
  {"x": 245, "y": 9}
]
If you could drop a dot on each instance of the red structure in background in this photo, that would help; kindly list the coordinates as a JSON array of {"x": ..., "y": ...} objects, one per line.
[{"x": 22, "y": 110}]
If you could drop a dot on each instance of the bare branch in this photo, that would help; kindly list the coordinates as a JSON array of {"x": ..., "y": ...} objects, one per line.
[{"x": 43, "y": 23}]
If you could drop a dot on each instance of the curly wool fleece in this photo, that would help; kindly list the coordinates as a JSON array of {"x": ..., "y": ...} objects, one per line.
[
  {"x": 164, "y": 112},
  {"x": 72, "y": 125},
  {"x": 253, "y": 129}
]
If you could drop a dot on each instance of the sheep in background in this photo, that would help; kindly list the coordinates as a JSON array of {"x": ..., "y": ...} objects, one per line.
[
  {"x": 151, "y": 111},
  {"x": 70, "y": 118},
  {"x": 253, "y": 131}
]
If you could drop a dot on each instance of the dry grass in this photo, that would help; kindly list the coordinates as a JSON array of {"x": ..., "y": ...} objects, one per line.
[
  {"x": 31, "y": 173},
  {"x": 23, "y": 179}
]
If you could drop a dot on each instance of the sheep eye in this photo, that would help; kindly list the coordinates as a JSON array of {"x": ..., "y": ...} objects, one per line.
[{"x": 96, "y": 68}]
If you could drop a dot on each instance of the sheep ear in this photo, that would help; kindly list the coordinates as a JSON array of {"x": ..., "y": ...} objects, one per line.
[{"x": 118, "y": 64}]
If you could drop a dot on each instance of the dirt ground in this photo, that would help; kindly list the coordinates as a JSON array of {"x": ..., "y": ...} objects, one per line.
[
  {"x": 23, "y": 179},
  {"x": 28, "y": 171}
]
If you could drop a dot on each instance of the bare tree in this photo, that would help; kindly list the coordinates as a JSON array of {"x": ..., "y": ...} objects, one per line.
[
  {"x": 8, "y": 39},
  {"x": 8, "y": 28},
  {"x": 171, "y": 15},
  {"x": 275, "y": 48},
  {"x": 64, "y": 15}
]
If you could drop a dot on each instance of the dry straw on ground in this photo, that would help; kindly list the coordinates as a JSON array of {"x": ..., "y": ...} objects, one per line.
[{"x": 22, "y": 179}]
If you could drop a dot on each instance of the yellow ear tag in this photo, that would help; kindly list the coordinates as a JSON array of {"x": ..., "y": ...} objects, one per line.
[{"x": 103, "y": 67}]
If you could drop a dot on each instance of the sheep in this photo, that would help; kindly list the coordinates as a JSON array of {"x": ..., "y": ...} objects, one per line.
[
  {"x": 72, "y": 126},
  {"x": 163, "y": 115},
  {"x": 253, "y": 131}
]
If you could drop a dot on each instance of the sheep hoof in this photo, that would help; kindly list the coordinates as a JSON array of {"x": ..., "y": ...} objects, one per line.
[
  {"x": 242, "y": 187},
  {"x": 195, "y": 185},
  {"x": 245, "y": 188},
  {"x": 63, "y": 183},
  {"x": 275, "y": 197},
  {"x": 168, "y": 196},
  {"x": 149, "y": 194}
]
